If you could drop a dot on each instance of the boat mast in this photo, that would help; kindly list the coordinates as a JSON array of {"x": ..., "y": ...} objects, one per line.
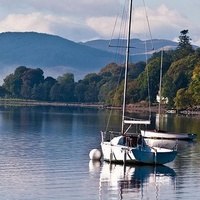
[
  {"x": 160, "y": 88},
  {"x": 160, "y": 84},
  {"x": 127, "y": 62}
]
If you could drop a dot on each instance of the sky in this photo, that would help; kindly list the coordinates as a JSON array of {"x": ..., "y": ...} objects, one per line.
[{"x": 83, "y": 20}]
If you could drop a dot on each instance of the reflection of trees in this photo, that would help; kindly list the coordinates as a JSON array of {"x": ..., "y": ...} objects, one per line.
[
  {"x": 178, "y": 123},
  {"x": 23, "y": 119},
  {"x": 186, "y": 124}
]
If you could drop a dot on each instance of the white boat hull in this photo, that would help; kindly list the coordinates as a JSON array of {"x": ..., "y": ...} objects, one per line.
[
  {"x": 117, "y": 153},
  {"x": 155, "y": 155},
  {"x": 120, "y": 153},
  {"x": 167, "y": 135}
]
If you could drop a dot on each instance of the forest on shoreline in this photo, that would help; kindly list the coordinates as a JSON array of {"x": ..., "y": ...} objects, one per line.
[{"x": 180, "y": 85}]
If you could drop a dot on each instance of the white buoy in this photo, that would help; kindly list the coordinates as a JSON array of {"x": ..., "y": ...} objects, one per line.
[{"x": 95, "y": 154}]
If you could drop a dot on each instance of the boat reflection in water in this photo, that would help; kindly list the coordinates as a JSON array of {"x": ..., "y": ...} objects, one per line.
[
  {"x": 164, "y": 143},
  {"x": 135, "y": 181}
]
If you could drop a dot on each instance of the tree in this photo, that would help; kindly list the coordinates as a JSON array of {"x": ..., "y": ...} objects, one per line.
[
  {"x": 8, "y": 84},
  {"x": 178, "y": 76},
  {"x": 169, "y": 89},
  {"x": 13, "y": 82},
  {"x": 136, "y": 69},
  {"x": 33, "y": 76},
  {"x": 183, "y": 99},
  {"x": 118, "y": 95},
  {"x": 26, "y": 91},
  {"x": 194, "y": 86},
  {"x": 31, "y": 79},
  {"x": 38, "y": 92},
  {"x": 66, "y": 79},
  {"x": 3, "y": 91},
  {"x": 55, "y": 92},
  {"x": 92, "y": 83},
  {"x": 67, "y": 84},
  {"x": 184, "y": 47},
  {"x": 133, "y": 92},
  {"x": 79, "y": 91},
  {"x": 47, "y": 85}
]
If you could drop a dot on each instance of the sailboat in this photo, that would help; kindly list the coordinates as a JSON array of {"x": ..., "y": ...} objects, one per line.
[
  {"x": 161, "y": 134},
  {"x": 125, "y": 147}
]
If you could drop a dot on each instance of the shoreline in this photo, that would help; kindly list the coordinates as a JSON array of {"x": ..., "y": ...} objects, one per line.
[
  {"x": 45, "y": 103},
  {"x": 130, "y": 107}
]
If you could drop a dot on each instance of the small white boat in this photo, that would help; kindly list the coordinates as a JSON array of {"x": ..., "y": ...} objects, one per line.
[
  {"x": 125, "y": 147},
  {"x": 131, "y": 149},
  {"x": 158, "y": 134}
]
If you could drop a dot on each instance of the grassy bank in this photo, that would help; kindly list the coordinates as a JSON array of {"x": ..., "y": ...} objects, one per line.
[{"x": 22, "y": 102}]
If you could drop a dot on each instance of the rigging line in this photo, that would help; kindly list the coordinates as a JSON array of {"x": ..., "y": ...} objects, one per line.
[
  {"x": 122, "y": 31},
  {"x": 160, "y": 83},
  {"x": 148, "y": 85},
  {"x": 119, "y": 52},
  {"x": 127, "y": 62},
  {"x": 145, "y": 9},
  {"x": 117, "y": 87},
  {"x": 113, "y": 29}
]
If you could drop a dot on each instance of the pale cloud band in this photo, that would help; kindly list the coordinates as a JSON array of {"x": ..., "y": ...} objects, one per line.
[{"x": 88, "y": 19}]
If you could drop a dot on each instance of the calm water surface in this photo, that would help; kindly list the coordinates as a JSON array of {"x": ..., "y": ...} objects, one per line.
[{"x": 44, "y": 155}]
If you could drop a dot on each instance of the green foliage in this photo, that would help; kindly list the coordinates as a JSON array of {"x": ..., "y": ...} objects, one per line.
[
  {"x": 181, "y": 81},
  {"x": 184, "y": 47},
  {"x": 66, "y": 86},
  {"x": 183, "y": 99},
  {"x": 2, "y": 92},
  {"x": 118, "y": 96},
  {"x": 133, "y": 92},
  {"x": 194, "y": 86},
  {"x": 47, "y": 85},
  {"x": 14, "y": 82},
  {"x": 79, "y": 91},
  {"x": 178, "y": 76}
]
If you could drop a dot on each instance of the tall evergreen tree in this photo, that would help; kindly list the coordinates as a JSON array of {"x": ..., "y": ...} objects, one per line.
[{"x": 184, "y": 47}]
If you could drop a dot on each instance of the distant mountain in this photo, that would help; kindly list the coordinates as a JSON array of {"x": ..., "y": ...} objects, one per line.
[
  {"x": 50, "y": 53},
  {"x": 56, "y": 55}
]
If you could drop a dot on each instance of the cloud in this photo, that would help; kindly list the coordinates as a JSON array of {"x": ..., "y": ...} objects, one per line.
[
  {"x": 101, "y": 25},
  {"x": 52, "y": 24},
  {"x": 164, "y": 23},
  {"x": 64, "y": 18},
  {"x": 88, "y": 19},
  {"x": 168, "y": 24},
  {"x": 29, "y": 22}
]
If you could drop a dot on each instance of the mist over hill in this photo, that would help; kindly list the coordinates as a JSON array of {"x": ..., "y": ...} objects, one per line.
[
  {"x": 56, "y": 55},
  {"x": 53, "y": 54},
  {"x": 139, "y": 46}
]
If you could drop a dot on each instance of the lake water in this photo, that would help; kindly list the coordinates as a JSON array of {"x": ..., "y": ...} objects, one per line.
[{"x": 44, "y": 155}]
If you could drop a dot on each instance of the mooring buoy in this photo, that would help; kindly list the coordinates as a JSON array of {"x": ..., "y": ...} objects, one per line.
[{"x": 95, "y": 154}]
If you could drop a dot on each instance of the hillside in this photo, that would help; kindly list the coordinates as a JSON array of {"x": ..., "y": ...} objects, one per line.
[
  {"x": 50, "y": 53},
  {"x": 56, "y": 55}
]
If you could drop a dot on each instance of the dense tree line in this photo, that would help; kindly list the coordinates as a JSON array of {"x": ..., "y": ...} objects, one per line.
[
  {"x": 181, "y": 81},
  {"x": 27, "y": 83}
]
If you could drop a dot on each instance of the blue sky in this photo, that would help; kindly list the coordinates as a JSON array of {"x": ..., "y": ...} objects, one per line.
[{"x": 82, "y": 20}]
